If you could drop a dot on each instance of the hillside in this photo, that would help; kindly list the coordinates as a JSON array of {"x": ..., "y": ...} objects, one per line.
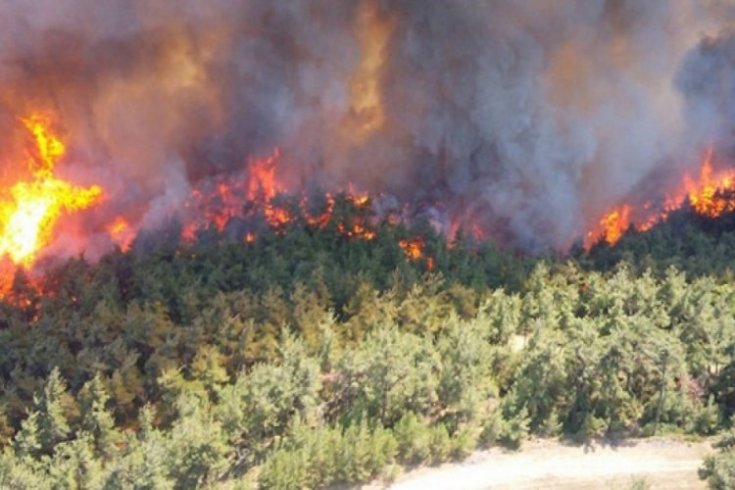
[{"x": 308, "y": 358}]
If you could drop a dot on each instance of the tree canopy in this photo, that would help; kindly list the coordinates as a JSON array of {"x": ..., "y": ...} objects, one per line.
[{"x": 308, "y": 358}]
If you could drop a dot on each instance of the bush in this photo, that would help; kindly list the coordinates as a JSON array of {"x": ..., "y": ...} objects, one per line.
[
  {"x": 719, "y": 470},
  {"x": 708, "y": 419},
  {"x": 310, "y": 458},
  {"x": 508, "y": 432},
  {"x": 464, "y": 442},
  {"x": 413, "y": 439}
]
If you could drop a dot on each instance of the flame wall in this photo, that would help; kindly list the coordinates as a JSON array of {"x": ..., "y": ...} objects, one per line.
[{"x": 528, "y": 119}]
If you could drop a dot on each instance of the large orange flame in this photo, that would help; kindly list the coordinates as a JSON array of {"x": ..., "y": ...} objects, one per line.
[
  {"x": 30, "y": 209},
  {"x": 612, "y": 226},
  {"x": 711, "y": 194}
]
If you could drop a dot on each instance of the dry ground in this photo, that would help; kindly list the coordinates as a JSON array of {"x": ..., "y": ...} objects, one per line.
[{"x": 663, "y": 463}]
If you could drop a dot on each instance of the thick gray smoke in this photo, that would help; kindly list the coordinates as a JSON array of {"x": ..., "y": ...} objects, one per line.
[
  {"x": 528, "y": 119},
  {"x": 707, "y": 79}
]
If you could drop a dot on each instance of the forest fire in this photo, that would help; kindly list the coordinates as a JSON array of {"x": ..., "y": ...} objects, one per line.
[
  {"x": 259, "y": 196},
  {"x": 121, "y": 232},
  {"x": 322, "y": 219},
  {"x": 612, "y": 227},
  {"x": 215, "y": 204},
  {"x": 173, "y": 111},
  {"x": 258, "y": 193},
  {"x": 31, "y": 207},
  {"x": 413, "y": 249},
  {"x": 242, "y": 153},
  {"x": 711, "y": 194},
  {"x": 234, "y": 230},
  {"x": 357, "y": 230}
]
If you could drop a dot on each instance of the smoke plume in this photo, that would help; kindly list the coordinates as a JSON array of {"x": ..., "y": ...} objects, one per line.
[{"x": 528, "y": 119}]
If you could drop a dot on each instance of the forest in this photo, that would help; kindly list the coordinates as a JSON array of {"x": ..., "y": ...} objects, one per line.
[{"x": 307, "y": 358}]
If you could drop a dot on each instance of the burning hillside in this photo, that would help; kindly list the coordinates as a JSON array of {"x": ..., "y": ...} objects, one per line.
[
  {"x": 531, "y": 124},
  {"x": 241, "y": 204},
  {"x": 711, "y": 194}
]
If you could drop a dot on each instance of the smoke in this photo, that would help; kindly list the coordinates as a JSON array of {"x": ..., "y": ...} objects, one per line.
[
  {"x": 707, "y": 79},
  {"x": 527, "y": 119}
]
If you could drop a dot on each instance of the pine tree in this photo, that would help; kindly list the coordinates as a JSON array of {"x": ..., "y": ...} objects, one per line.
[
  {"x": 27, "y": 442},
  {"x": 74, "y": 465},
  {"x": 97, "y": 421},
  {"x": 144, "y": 462},
  {"x": 52, "y": 407}
]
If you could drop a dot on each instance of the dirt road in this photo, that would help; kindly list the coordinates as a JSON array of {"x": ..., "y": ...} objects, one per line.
[{"x": 662, "y": 463}]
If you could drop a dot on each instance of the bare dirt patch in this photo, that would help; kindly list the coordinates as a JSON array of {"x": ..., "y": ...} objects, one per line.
[{"x": 662, "y": 463}]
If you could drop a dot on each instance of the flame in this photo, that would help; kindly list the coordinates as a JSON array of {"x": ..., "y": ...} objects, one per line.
[
  {"x": 121, "y": 232},
  {"x": 356, "y": 230},
  {"x": 711, "y": 194},
  {"x": 216, "y": 203},
  {"x": 277, "y": 217},
  {"x": 50, "y": 149},
  {"x": 373, "y": 34},
  {"x": 254, "y": 196},
  {"x": 29, "y": 210},
  {"x": 358, "y": 199},
  {"x": 262, "y": 181},
  {"x": 413, "y": 249},
  {"x": 322, "y": 219},
  {"x": 612, "y": 226}
]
